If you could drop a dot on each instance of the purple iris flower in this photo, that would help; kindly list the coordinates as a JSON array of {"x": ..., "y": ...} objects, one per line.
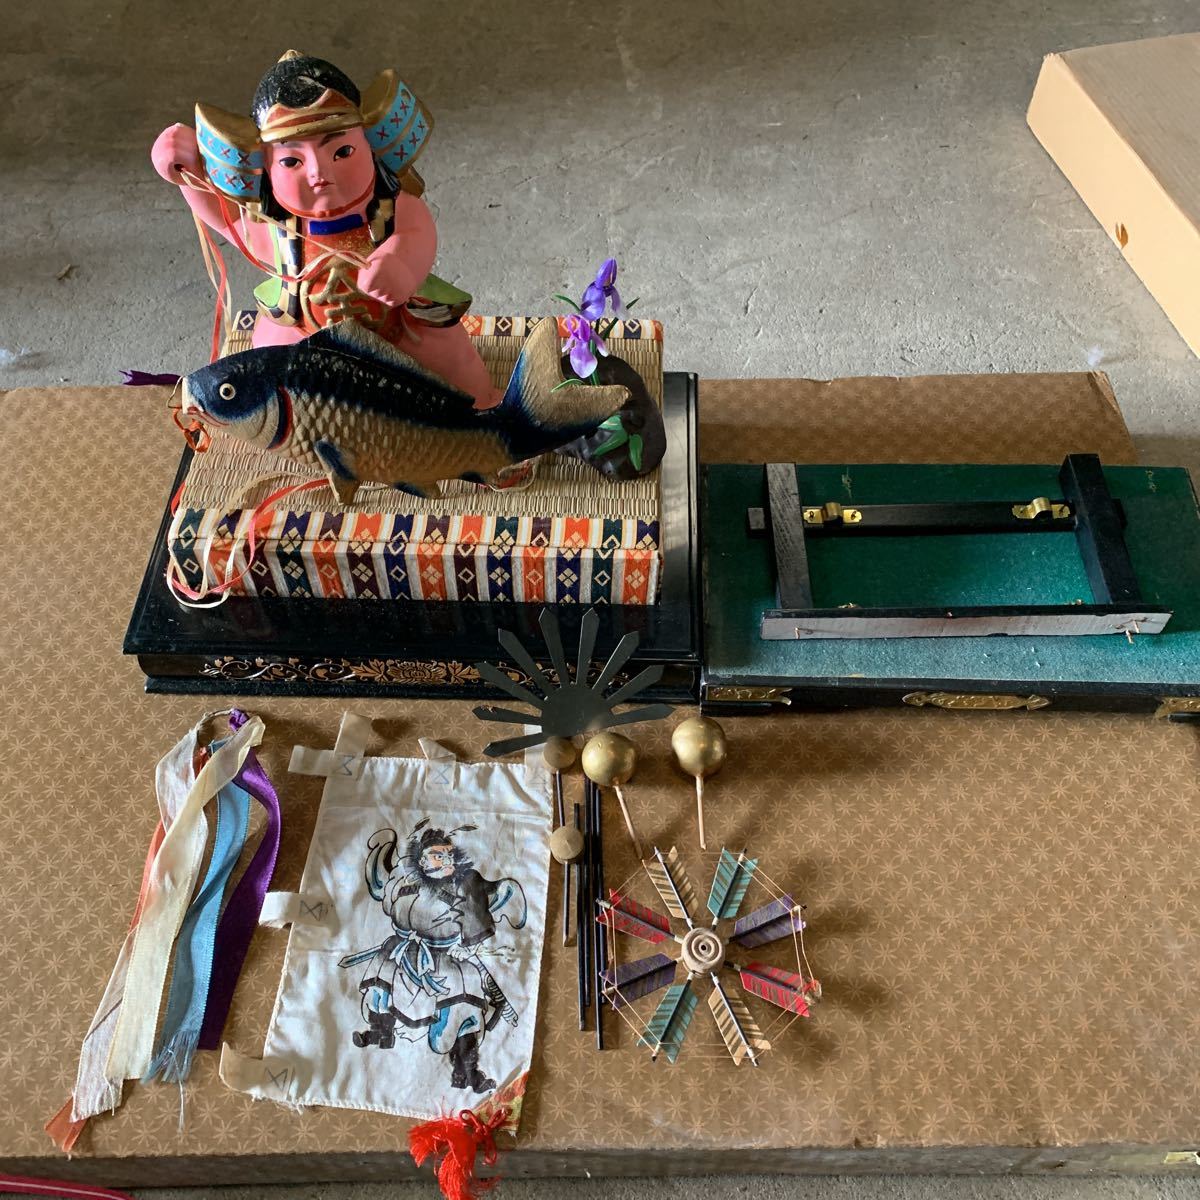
[
  {"x": 583, "y": 344},
  {"x": 601, "y": 290}
]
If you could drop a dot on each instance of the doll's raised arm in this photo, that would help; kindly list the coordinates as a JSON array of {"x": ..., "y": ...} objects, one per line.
[{"x": 176, "y": 155}]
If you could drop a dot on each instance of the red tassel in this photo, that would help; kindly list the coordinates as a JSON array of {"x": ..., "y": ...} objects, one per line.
[{"x": 459, "y": 1140}]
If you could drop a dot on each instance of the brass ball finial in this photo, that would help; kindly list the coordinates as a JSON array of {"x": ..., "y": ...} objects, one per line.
[
  {"x": 699, "y": 746},
  {"x": 559, "y": 754},
  {"x": 609, "y": 759}
]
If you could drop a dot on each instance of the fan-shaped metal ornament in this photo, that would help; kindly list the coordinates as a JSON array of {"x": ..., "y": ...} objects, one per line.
[
  {"x": 568, "y": 706},
  {"x": 707, "y": 951}
]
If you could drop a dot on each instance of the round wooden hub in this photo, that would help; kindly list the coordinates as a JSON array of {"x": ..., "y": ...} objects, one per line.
[
  {"x": 703, "y": 952},
  {"x": 566, "y": 844}
]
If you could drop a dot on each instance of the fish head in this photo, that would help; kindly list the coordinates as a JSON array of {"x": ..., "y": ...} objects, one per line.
[{"x": 242, "y": 396}]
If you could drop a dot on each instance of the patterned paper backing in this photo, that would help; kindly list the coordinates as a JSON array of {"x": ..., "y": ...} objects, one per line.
[{"x": 384, "y": 556}]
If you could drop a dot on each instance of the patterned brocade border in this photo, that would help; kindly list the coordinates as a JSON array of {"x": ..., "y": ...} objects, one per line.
[
  {"x": 562, "y": 560},
  {"x": 519, "y": 327}
]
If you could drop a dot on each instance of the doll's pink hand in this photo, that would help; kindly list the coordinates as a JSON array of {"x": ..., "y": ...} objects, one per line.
[
  {"x": 388, "y": 276},
  {"x": 176, "y": 148}
]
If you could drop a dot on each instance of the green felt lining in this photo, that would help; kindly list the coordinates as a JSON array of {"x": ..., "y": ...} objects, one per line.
[{"x": 1163, "y": 536}]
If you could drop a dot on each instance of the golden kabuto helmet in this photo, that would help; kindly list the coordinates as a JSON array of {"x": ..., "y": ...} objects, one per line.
[{"x": 300, "y": 96}]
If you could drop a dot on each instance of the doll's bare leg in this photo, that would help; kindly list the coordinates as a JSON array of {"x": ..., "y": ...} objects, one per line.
[
  {"x": 450, "y": 353},
  {"x": 271, "y": 333}
]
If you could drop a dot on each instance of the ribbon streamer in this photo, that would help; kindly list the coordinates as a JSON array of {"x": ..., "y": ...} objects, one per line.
[
  {"x": 240, "y": 918},
  {"x": 173, "y": 877},
  {"x": 197, "y": 941},
  {"x": 188, "y": 596}
]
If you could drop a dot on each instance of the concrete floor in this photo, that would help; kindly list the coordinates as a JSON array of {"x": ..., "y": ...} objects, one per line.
[{"x": 824, "y": 188}]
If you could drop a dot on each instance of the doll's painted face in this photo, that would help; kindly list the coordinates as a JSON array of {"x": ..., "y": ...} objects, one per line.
[{"x": 324, "y": 175}]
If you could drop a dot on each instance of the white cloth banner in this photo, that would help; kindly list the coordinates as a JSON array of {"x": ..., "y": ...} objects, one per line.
[{"x": 410, "y": 982}]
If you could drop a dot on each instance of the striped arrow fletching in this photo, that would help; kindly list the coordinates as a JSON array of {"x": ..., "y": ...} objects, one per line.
[
  {"x": 633, "y": 980},
  {"x": 737, "y": 1026},
  {"x": 729, "y": 885},
  {"x": 784, "y": 989},
  {"x": 672, "y": 885},
  {"x": 780, "y": 918},
  {"x": 635, "y": 919},
  {"x": 669, "y": 1025}
]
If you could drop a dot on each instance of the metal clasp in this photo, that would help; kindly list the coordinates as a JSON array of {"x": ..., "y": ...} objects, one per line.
[
  {"x": 1036, "y": 507},
  {"x": 832, "y": 513}
]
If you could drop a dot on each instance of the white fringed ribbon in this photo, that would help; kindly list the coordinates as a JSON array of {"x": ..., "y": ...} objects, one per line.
[{"x": 95, "y": 1092}]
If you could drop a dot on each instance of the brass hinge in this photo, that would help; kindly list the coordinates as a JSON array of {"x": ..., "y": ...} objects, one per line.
[
  {"x": 748, "y": 695},
  {"x": 1035, "y": 508},
  {"x": 1170, "y": 705},
  {"x": 979, "y": 701}
]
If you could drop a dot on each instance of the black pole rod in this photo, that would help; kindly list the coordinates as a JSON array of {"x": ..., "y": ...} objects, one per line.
[
  {"x": 561, "y": 820},
  {"x": 597, "y": 896},
  {"x": 580, "y": 940}
]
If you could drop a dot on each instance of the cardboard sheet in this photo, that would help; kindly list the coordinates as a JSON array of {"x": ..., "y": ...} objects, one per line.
[
  {"x": 1120, "y": 122},
  {"x": 1001, "y": 906}
]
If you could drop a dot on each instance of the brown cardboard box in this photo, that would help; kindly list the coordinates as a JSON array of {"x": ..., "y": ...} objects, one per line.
[
  {"x": 1120, "y": 121},
  {"x": 1001, "y": 906}
]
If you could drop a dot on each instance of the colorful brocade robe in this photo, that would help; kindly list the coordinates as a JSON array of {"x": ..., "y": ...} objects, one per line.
[{"x": 329, "y": 293}]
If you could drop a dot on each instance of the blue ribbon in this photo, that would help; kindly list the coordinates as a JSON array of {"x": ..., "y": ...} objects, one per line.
[{"x": 184, "y": 1018}]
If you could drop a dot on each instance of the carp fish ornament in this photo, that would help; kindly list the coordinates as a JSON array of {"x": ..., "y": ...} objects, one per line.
[{"x": 363, "y": 411}]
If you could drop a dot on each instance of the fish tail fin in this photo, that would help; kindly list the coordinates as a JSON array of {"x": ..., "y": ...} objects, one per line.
[{"x": 533, "y": 410}]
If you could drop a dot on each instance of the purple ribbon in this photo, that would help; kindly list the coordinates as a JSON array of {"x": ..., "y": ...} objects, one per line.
[
  {"x": 149, "y": 379},
  {"x": 240, "y": 917}
]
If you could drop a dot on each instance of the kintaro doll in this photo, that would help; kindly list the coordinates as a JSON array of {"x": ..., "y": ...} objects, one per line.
[{"x": 318, "y": 189}]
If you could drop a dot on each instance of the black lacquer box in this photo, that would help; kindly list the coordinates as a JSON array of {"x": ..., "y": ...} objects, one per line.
[{"x": 271, "y": 645}]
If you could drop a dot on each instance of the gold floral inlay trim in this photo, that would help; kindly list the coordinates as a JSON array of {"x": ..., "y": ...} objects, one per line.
[
  {"x": 343, "y": 670},
  {"x": 749, "y": 695},
  {"x": 1170, "y": 705},
  {"x": 975, "y": 701}
]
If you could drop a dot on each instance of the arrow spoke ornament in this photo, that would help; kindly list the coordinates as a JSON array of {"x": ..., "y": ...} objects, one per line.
[{"x": 703, "y": 953}]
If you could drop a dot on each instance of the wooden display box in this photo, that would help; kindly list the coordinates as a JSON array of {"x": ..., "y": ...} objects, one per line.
[{"x": 312, "y": 617}]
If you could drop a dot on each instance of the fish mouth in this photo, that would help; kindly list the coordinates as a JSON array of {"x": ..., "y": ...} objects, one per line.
[{"x": 191, "y": 407}]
